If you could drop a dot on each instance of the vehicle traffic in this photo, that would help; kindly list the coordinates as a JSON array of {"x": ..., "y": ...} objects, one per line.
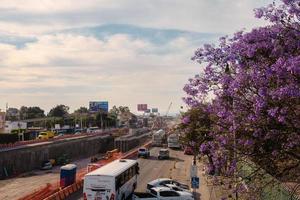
[
  {"x": 163, "y": 154},
  {"x": 116, "y": 180},
  {"x": 46, "y": 135},
  {"x": 46, "y": 165},
  {"x": 159, "y": 138},
  {"x": 164, "y": 181},
  {"x": 163, "y": 193},
  {"x": 173, "y": 141},
  {"x": 143, "y": 152},
  {"x": 93, "y": 130},
  {"x": 176, "y": 188}
]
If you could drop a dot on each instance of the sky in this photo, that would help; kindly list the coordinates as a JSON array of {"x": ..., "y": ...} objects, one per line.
[{"x": 121, "y": 51}]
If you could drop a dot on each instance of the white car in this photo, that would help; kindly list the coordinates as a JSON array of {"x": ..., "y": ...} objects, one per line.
[
  {"x": 177, "y": 188},
  {"x": 162, "y": 193},
  {"x": 164, "y": 181}
]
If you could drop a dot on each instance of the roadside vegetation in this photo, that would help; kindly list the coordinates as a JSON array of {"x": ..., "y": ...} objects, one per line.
[{"x": 244, "y": 107}]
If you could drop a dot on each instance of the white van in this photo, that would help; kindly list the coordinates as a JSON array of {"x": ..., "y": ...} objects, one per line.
[{"x": 114, "y": 181}]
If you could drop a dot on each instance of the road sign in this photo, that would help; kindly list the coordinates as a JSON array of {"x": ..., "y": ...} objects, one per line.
[
  {"x": 195, "y": 182},
  {"x": 193, "y": 171}
]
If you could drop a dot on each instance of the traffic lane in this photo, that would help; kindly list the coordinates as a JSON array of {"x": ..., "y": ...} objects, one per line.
[{"x": 152, "y": 168}]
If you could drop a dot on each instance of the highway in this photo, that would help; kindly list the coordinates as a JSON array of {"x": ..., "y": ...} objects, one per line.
[{"x": 177, "y": 167}]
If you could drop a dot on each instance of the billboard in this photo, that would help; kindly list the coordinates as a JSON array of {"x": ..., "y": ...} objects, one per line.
[
  {"x": 96, "y": 106},
  {"x": 154, "y": 110},
  {"x": 142, "y": 107}
]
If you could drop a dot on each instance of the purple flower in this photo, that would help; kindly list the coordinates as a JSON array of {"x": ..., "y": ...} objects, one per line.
[
  {"x": 251, "y": 85},
  {"x": 272, "y": 112},
  {"x": 186, "y": 120},
  {"x": 248, "y": 143},
  {"x": 203, "y": 148},
  {"x": 258, "y": 12}
]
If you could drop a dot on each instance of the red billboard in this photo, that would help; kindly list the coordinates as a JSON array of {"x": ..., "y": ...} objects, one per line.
[{"x": 142, "y": 107}]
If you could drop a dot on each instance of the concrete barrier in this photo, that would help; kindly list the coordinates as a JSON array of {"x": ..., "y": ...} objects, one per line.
[
  {"x": 21, "y": 160},
  {"x": 125, "y": 144}
]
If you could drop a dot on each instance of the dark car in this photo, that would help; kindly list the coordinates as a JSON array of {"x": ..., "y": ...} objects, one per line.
[
  {"x": 163, "y": 154},
  {"x": 143, "y": 152}
]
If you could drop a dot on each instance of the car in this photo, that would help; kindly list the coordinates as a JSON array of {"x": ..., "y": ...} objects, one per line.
[
  {"x": 163, "y": 154},
  {"x": 162, "y": 192},
  {"x": 46, "y": 165},
  {"x": 176, "y": 187},
  {"x": 163, "y": 181},
  {"x": 188, "y": 150},
  {"x": 143, "y": 152}
]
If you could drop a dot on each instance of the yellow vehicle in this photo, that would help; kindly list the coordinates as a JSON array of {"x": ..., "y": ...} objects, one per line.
[{"x": 46, "y": 135}]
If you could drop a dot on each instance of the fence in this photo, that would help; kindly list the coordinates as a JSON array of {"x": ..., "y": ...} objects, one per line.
[{"x": 269, "y": 187}]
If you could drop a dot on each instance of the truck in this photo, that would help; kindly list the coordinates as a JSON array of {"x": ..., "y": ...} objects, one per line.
[
  {"x": 159, "y": 138},
  {"x": 173, "y": 141},
  {"x": 162, "y": 193},
  {"x": 46, "y": 135}
]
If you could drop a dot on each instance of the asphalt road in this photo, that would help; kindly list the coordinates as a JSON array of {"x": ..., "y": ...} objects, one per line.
[
  {"x": 152, "y": 168},
  {"x": 13, "y": 188}
]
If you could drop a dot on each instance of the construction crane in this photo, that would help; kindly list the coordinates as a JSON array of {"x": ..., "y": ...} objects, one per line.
[{"x": 168, "y": 109}]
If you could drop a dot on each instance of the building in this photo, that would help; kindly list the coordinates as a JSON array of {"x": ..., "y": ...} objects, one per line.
[
  {"x": 126, "y": 118},
  {"x": 2, "y": 121},
  {"x": 12, "y": 114},
  {"x": 10, "y": 126}
]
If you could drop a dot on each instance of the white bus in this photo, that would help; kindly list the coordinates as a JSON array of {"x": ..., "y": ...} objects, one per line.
[
  {"x": 173, "y": 141},
  {"x": 114, "y": 181}
]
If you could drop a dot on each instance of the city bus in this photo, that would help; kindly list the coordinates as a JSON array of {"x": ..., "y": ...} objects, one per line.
[{"x": 114, "y": 181}]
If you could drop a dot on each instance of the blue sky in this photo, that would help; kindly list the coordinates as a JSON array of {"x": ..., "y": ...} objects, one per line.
[{"x": 127, "y": 52}]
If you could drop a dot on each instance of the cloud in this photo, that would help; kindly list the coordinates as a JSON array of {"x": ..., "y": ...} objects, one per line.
[
  {"x": 59, "y": 51},
  {"x": 223, "y": 16},
  {"x": 74, "y": 67}
]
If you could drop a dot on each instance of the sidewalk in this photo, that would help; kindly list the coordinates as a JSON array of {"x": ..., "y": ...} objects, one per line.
[
  {"x": 181, "y": 172},
  {"x": 203, "y": 192}
]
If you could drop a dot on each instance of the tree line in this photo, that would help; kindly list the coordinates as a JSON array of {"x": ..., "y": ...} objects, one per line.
[{"x": 60, "y": 114}]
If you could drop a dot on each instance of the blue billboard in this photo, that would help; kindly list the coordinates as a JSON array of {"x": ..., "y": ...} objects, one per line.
[{"x": 96, "y": 106}]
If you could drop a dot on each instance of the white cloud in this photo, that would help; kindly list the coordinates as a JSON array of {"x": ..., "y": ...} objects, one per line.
[
  {"x": 115, "y": 68},
  {"x": 68, "y": 68},
  {"x": 224, "y": 16}
]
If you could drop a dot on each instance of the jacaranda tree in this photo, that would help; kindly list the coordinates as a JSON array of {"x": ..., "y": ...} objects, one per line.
[{"x": 251, "y": 82}]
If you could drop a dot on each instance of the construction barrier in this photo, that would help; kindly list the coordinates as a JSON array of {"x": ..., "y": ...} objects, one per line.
[{"x": 54, "y": 192}]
